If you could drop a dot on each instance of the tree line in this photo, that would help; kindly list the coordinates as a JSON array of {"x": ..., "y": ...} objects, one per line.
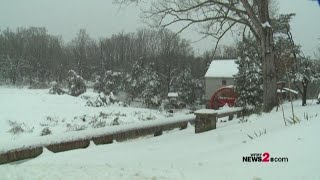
[{"x": 32, "y": 55}]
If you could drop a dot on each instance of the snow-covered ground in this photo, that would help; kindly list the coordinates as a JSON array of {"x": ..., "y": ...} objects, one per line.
[
  {"x": 27, "y": 115},
  {"x": 216, "y": 154}
]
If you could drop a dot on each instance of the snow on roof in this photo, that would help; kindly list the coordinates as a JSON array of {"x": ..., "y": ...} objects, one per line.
[
  {"x": 291, "y": 90},
  {"x": 266, "y": 24},
  {"x": 281, "y": 91},
  {"x": 287, "y": 90},
  {"x": 222, "y": 68},
  {"x": 173, "y": 94}
]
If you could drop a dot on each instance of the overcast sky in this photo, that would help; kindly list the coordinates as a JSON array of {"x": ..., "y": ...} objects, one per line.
[{"x": 101, "y": 18}]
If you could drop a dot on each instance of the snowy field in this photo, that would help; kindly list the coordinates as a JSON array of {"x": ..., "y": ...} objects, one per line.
[
  {"x": 175, "y": 155},
  {"x": 28, "y": 115}
]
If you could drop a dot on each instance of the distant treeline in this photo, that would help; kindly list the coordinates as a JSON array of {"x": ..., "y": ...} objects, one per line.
[{"x": 31, "y": 54}]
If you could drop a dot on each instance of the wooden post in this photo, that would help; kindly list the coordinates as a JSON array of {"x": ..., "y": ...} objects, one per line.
[
  {"x": 206, "y": 120},
  {"x": 231, "y": 117}
]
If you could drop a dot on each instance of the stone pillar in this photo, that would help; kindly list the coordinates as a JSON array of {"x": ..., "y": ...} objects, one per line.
[{"x": 205, "y": 120}]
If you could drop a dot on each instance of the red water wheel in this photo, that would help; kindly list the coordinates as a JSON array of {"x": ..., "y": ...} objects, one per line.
[{"x": 223, "y": 96}]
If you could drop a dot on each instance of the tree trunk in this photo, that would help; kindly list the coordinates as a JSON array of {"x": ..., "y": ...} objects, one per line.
[
  {"x": 30, "y": 79},
  {"x": 14, "y": 76},
  {"x": 168, "y": 84},
  {"x": 267, "y": 54},
  {"x": 14, "y": 80},
  {"x": 269, "y": 75},
  {"x": 304, "y": 94}
]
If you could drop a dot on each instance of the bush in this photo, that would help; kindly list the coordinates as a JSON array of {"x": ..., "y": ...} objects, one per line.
[
  {"x": 76, "y": 127},
  {"x": 98, "y": 85},
  {"x": 115, "y": 122},
  {"x": 97, "y": 122},
  {"x": 18, "y": 128},
  {"x": 50, "y": 121},
  {"x": 55, "y": 89},
  {"x": 76, "y": 84},
  {"x": 45, "y": 131}
]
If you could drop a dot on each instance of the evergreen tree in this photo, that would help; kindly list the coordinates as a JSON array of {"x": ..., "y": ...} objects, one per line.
[
  {"x": 76, "y": 84},
  {"x": 113, "y": 82},
  {"x": 248, "y": 81},
  {"x": 200, "y": 88},
  {"x": 98, "y": 85},
  {"x": 151, "y": 89},
  {"x": 134, "y": 85},
  {"x": 185, "y": 86}
]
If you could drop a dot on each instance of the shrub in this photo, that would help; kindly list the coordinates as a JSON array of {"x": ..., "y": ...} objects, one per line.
[
  {"x": 96, "y": 122},
  {"x": 76, "y": 127},
  {"x": 45, "y": 131},
  {"x": 76, "y": 84},
  {"x": 17, "y": 128},
  {"x": 115, "y": 122}
]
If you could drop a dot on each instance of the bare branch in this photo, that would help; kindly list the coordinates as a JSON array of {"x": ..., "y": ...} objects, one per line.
[
  {"x": 253, "y": 16},
  {"x": 208, "y": 14}
]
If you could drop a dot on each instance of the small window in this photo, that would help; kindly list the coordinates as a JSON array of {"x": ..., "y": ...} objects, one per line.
[{"x": 224, "y": 82}]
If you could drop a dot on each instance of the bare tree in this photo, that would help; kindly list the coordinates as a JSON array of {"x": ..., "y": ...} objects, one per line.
[
  {"x": 223, "y": 52},
  {"x": 298, "y": 69},
  {"x": 216, "y": 18},
  {"x": 80, "y": 50}
]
